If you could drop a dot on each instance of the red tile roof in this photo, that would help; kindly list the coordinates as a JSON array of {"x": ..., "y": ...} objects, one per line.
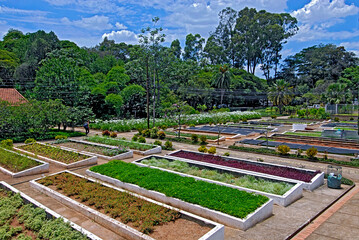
[{"x": 12, "y": 96}]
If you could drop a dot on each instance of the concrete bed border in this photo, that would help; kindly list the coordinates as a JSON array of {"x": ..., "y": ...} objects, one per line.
[
  {"x": 85, "y": 162},
  {"x": 128, "y": 154},
  {"x": 260, "y": 214},
  {"x": 154, "y": 150},
  {"x": 316, "y": 181},
  {"x": 295, "y": 193},
  {"x": 49, "y": 212},
  {"x": 44, "y": 167},
  {"x": 216, "y": 233}
]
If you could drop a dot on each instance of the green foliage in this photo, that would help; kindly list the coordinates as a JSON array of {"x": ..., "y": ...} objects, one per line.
[
  {"x": 168, "y": 145},
  {"x": 246, "y": 181},
  {"x": 161, "y": 134},
  {"x": 122, "y": 143},
  {"x": 15, "y": 162},
  {"x": 203, "y": 139},
  {"x": 157, "y": 142},
  {"x": 311, "y": 152},
  {"x": 194, "y": 138},
  {"x": 226, "y": 154},
  {"x": 56, "y": 138},
  {"x": 135, "y": 138},
  {"x": 153, "y": 132},
  {"x": 8, "y": 144},
  {"x": 283, "y": 149},
  {"x": 203, "y": 149},
  {"x": 212, "y": 150},
  {"x": 224, "y": 199}
]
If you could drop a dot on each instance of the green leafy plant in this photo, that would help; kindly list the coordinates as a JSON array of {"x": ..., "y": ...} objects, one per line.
[
  {"x": 203, "y": 139},
  {"x": 212, "y": 150},
  {"x": 161, "y": 134},
  {"x": 194, "y": 138},
  {"x": 283, "y": 149},
  {"x": 168, "y": 145},
  {"x": 146, "y": 133},
  {"x": 203, "y": 149},
  {"x": 134, "y": 138},
  {"x": 8, "y": 144},
  {"x": 226, "y": 154},
  {"x": 123, "y": 143},
  {"x": 56, "y": 138},
  {"x": 311, "y": 152},
  {"x": 142, "y": 140},
  {"x": 15, "y": 162},
  {"x": 157, "y": 142},
  {"x": 113, "y": 135}
]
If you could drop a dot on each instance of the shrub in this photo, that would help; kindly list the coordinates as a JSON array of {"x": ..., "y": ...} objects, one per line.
[
  {"x": 30, "y": 140},
  {"x": 192, "y": 125},
  {"x": 273, "y": 116},
  {"x": 142, "y": 140},
  {"x": 244, "y": 120},
  {"x": 161, "y": 134},
  {"x": 106, "y": 133},
  {"x": 336, "y": 119},
  {"x": 56, "y": 138},
  {"x": 299, "y": 152},
  {"x": 113, "y": 135},
  {"x": 203, "y": 139},
  {"x": 168, "y": 145},
  {"x": 164, "y": 127},
  {"x": 146, "y": 133},
  {"x": 283, "y": 149},
  {"x": 351, "y": 119},
  {"x": 124, "y": 138},
  {"x": 153, "y": 132},
  {"x": 311, "y": 152},
  {"x": 8, "y": 143},
  {"x": 203, "y": 149},
  {"x": 212, "y": 150},
  {"x": 134, "y": 138},
  {"x": 226, "y": 154},
  {"x": 157, "y": 142},
  {"x": 194, "y": 138}
]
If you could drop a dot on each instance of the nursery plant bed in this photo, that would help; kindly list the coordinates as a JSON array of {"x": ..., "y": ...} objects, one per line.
[
  {"x": 294, "y": 193},
  {"x": 128, "y": 214},
  {"x": 19, "y": 165},
  {"x": 136, "y": 147},
  {"x": 311, "y": 179},
  {"x": 231, "y": 207},
  {"x": 58, "y": 156},
  {"x": 97, "y": 149},
  {"x": 31, "y": 204}
]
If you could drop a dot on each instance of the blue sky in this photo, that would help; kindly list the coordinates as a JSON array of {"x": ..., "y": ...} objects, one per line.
[{"x": 87, "y": 22}]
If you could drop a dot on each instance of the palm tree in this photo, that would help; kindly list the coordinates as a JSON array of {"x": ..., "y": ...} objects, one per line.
[
  {"x": 280, "y": 94},
  {"x": 222, "y": 80}
]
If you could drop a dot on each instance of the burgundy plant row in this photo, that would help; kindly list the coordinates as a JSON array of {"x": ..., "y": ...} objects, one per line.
[{"x": 286, "y": 172}]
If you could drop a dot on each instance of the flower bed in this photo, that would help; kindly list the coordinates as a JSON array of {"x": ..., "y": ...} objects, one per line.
[
  {"x": 32, "y": 220},
  {"x": 204, "y": 118},
  {"x": 100, "y": 150},
  {"x": 226, "y": 205},
  {"x": 141, "y": 148},
  {"x": 283, "y": 192},
  {"x": 58, "y": 156},
  {"x": 18, "y": 165},
  {"x": 127, "y": 214},
  {"x": 276, "y": 170}
]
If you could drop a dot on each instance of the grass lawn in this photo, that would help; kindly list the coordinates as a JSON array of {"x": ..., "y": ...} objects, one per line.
[{"x": 305, "y": 134}]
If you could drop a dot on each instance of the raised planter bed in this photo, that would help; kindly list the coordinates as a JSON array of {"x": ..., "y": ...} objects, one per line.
[
  {"x": 136, "y": 147},
  {"x": 231, "y": 207},
  {"x": 133, "y": 206},
  {"x": 310, "y": 179},
  {"x": 124, "y": 155},
  {"x": 293, "y": 194},
  {"x": 63, "y": 157},
  {"x": 33, "y": 166},
  {"x": 50, "y": 215}
]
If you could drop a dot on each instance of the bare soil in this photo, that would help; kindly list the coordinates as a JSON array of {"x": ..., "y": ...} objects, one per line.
[{"x": 83, "y": 147}]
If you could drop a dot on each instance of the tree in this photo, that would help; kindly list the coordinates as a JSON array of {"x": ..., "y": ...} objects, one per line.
[
  {"x": 222, "y": 80},
  {"x": 8, "y": 63},
  {"x": 176, "y": 48},
  {"x": 194, "y": 47},
  {"x": 280, "y": 94},
  {"x": 117, "y": 75},
  {"x": 338, "y": 93}
]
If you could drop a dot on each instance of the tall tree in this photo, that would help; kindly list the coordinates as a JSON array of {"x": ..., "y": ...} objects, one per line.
[
  {"x": 176, "y": 48},
  {"x": 194, "y": 47},
  {"x": 280, "y": 94},
  {"x": 222, "y": 80}
]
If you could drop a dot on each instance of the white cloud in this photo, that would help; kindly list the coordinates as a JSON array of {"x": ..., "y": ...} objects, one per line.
[
  {"x": 324, "y": 10},
  {"x": 95, "y": 23},
  {"x": 122, "y": 36},
  {"x": 120, "y": 26},
  {"x": 351, "y": 46},
  {"x": 7, "y": 10}
]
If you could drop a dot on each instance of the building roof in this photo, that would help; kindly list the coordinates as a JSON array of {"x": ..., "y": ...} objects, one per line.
[{"x": 12, "y": 96}]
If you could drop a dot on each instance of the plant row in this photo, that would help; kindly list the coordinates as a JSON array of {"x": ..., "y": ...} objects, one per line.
[
  {"x": 220, "y": 198},
  {"x": 204, "y": 118},
  {"x": 20, "y": 221},
  {"x": 247, "y": 181},
  {"x": 92, "y": 148},
  {"x": 54, "y": 153},
  {"x": 143, "y": 215},
  {"x": 280, "y": 171},
  {"x": 120, "y": 142},
  {"x": 15, "y": 162},
  {"x": 268, "y": 151},
  {"x": 190, "y": 135}
]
